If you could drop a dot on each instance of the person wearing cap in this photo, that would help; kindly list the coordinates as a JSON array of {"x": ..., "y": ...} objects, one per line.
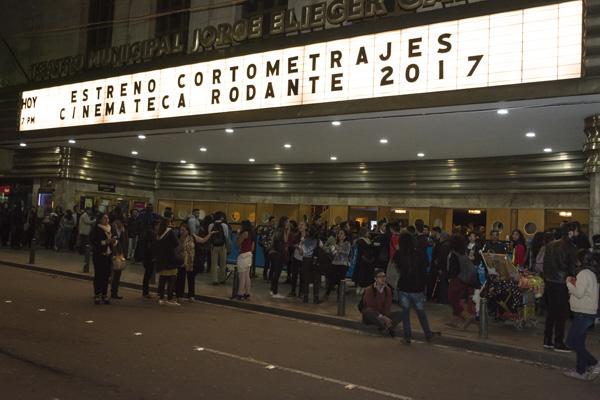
[{"x": 377, "y": 306}]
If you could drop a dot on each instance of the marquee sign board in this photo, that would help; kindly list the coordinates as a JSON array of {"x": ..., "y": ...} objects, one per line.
[{"x": 523, "y": 46}]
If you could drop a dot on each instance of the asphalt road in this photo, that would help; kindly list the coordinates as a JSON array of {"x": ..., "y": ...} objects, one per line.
[{"x": 56, "y": 344}]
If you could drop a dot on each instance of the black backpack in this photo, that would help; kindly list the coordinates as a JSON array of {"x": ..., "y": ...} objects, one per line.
[{"x": 218, "y": 239}]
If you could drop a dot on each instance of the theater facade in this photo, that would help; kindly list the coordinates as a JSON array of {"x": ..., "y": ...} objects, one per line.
[{"x": 452, "y": 112}]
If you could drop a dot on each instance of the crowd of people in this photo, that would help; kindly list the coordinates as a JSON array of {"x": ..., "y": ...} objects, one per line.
[{"x": 408, "y": 265}]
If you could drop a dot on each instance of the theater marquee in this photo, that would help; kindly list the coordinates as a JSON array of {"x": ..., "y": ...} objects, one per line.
[{"x": 532, "y": 45}]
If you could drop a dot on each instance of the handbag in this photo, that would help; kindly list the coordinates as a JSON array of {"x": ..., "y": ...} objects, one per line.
[{"x": 118, "y": 263}]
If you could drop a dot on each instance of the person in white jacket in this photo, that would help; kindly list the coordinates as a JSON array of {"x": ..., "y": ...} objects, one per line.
[{"x": 583, "y": 292}]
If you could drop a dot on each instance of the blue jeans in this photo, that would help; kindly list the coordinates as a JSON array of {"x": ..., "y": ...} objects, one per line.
[
  {"x": 576, "y": 340},
  {"x": 418, "y": 301}
]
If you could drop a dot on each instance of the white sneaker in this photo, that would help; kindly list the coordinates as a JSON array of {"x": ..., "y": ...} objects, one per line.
[
  {"x": 278, "y": 296},
  {"x": 594, "y": 371},
  {"x": 577, "y": 375},
  {"x": 162, "y": 302},
  {"x": 172, "y": 303},
  {"x": 271, "y": 293},
  {"x": 191, "y": 299}
]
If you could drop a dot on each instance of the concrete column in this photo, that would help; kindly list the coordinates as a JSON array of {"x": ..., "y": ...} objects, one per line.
[{"x": 591, "y": 149}]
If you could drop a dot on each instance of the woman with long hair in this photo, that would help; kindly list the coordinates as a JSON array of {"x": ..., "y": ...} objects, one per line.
[
  {"x": 119, "y": 255},
  {"x": 459, "y": 293},
  {"x": 412, "y": 267},
  {"x": 310, "y": 271},
  {"x": 519, "y": 248},
  {"x": 165, "y": 261},
  {"x": 278, "y": 254},
  {"x": 102, "y": 243},
  {"x": 246, "y": 243},
  {"x": 298, "y": 233},
  {"x": 340, "y": 262},
  {"x": 186, "y": 252}
]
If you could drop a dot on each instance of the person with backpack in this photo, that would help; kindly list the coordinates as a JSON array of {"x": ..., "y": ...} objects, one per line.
[
  {"x": 583, "y": 292},
  {"x": 463, "y": 279},
  {"x": 412, "y": 267},
  {"x": 219, "y": 248},
  {"x": 365, "y": 260},
  {"x": 376, "y": 306}
]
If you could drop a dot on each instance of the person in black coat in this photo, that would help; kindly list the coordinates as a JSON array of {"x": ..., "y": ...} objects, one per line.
[
  {"x": 102, "y": 243},
  {"x": 165, "y": 261},
  {"x": 365, "y": 262},
  {"x": 411, "y": 260}
]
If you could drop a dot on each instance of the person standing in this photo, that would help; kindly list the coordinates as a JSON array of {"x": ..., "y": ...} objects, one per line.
[
  {"x": 193, "y": 222},
  {"x": 519, "y": 249},
  {"x": 412, "y": 267},
  {"x": 278, "y": 254},
  {"x": 133, "y": 234},
  {"x": 118, "y": 262},
  {"x": 102, "y": 244},
  {"x": 246, "y": 244},
  {"x": 4, "y": 224},
  {"x": 559, "y": 263},
  {"x": 219, "y": 248},
  {"x": 363, "y": 273},
  {"x": 86, "y": 222},
  {"x": 583, "y": 291},
  {"x": 459, "y": 293},
  {"x": 341, "y": 260},
  {"x": 310, "y": 270},
  {"x": 295, "y": 237},
  {"x": 146, "y": 247},
  {"x": 17, "y": 223},
  {"x": 65, "y": 228},
  {"x": 266, "y": 242},
  {"x": 186, "y": 253},
  {"x": 165, "y": 261}
]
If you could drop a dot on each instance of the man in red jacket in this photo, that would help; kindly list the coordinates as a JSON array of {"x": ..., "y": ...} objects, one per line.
[{"x": 377, "y": 306}]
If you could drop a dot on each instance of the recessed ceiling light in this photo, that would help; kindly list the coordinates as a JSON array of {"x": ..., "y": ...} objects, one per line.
[
  {"x": 547, "y": 150},
  {"x": 72, "y": 141},
  {"x": 502, "y": 111},
  {"x": 530, "y": 134},
  {"x": 251, "y": 159},
  {"x": 182, "y": 161},
  {"x": 134, "y": 153},
  {"x": 420, "y": 154},
  {"x": 141, "y": 137},
  {"x": 336, "y": 123},
  {"x": 23, "y": 144},
  {"x": 287, "y": 146},
  {"x": 229, "y": 130},
  {"x": 333, "y": 158},
  {"x": 383, "y": 141},
  {"x": 203, "y": 149}
]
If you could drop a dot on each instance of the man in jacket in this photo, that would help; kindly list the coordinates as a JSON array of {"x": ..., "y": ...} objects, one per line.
[
  {"x": 559, "y": 263},
  {"x": 377, "y": 306},
  {"x": 84, "y": 228}
]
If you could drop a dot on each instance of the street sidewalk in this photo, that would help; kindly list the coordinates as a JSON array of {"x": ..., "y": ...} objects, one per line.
[{"x": 504, "y": 338}]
